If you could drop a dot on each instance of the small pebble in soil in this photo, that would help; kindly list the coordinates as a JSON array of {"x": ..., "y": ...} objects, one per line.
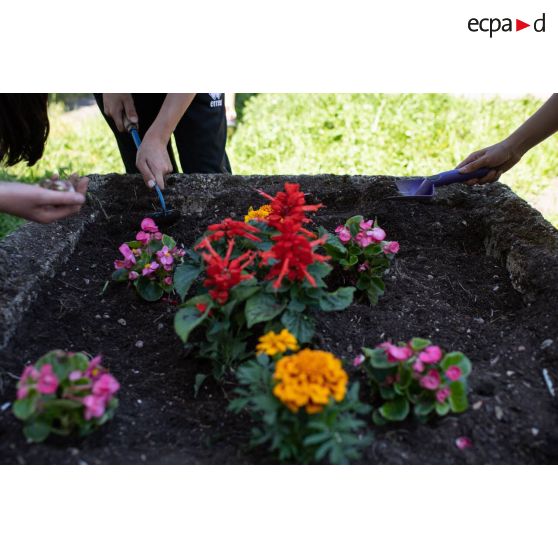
[
  {"x": 122, "y": 321},
  {"x": 106, "y": 316},
  {"x": 510, "y": 373},
  {"x": 74, "y": 451},
  {"x": 494, "y": 360},
  {"x": 135, "y": 371},
  {"x": 87, "y": 281},
  {"x": 160, "y": 326},
  {"x": 139, "y": 344},
  {"x": 477, "y": 405},
  {"x": 98, "y": 316},
  {"x": 479, "y": 320},
  {"x": 495, "y": 288},
  {"x": 535, "y": 431},
  {"x": 5, "y": 406},
  {"x": 499, "y": 413},
  {"x": 139, "y": 401},
  {"x": 546, "y": 343},
  {"x": 521, "y": 348}
]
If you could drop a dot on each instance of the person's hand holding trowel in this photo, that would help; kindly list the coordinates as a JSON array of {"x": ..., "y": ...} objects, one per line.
[{"x": 504, "y": 155}]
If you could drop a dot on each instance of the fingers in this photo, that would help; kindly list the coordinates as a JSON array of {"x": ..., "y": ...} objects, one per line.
[
  {"x": 49, "y": 213},
  {"x": 82, "y": 185},
  {"x": 160, "y": 178},
  {"x": 148, "y": 176},
  {"x": 52, "y": 197},
  {"x": 472, "y": 157},
  {"x": 130, "y": 110},
  {"x": 475, "y": 164}
]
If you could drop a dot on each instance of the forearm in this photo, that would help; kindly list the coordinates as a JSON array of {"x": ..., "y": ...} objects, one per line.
[
  {"x": 537, "y": 128},
  {"x": 172, "y": 110}
]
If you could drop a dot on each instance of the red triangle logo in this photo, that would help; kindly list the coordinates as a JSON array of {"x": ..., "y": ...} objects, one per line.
[{"x": 519, "y": 25}]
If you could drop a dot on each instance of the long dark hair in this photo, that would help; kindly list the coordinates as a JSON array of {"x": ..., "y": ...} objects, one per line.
[{"x": 24, "y": 127}]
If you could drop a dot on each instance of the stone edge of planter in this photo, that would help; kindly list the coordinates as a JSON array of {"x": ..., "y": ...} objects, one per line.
[{"x": 33, "y": 253}]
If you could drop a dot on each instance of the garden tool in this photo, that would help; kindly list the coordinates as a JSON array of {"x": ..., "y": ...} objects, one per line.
[
  {"x": 167, "y": 216},
  {"x": 425, "y": 188}
]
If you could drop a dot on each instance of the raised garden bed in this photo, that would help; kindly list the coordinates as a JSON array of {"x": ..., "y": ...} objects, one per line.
[{"x": 477, "y": 272}]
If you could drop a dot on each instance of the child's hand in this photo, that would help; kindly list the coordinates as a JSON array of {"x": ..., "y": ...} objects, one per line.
[
  {"x": 499, "y": 157},
  {"x": 41, "y": 205}
]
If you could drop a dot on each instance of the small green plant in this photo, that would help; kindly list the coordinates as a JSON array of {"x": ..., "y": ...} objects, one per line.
[
  {"x": 149, "y": 262},
  {"x": 360, "y": 248},
  {"x": 65, "y": 393},
  {"x": 416, "y": 375},
  {"x": 301, "y": 401}
]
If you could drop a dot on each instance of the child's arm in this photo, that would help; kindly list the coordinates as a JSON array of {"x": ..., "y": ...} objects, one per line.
[
  {"x": 504, "y": 155},
  {"x": 41, "y": 205}
]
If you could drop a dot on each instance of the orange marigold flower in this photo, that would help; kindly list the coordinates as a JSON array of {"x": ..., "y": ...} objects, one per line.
[
  {"x": 309, "y": 379},
  {"x": 277, "y": 343},
  {"x": 260, "y": 214}
]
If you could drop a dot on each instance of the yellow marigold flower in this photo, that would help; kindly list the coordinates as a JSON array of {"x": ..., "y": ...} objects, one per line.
[
  {"x": 309, "y": 379},
  {"x": 260, "y": 214},
  {"x": 275, "y": 343}
]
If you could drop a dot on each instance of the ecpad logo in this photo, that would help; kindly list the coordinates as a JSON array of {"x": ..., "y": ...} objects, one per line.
[{"x": 494, "y": 24}]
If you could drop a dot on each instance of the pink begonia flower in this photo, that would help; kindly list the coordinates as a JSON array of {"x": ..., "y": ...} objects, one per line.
[
  {"x": 358, "y": 360},
  {"x": 395, "y": 353},
  {"x": 75, "y": 375},
  {"x": 376, "y": 234},
  {"x": 48, "y": 381},
  {"x": 164, "y": 255},
  {"x": 431, "y": 380},
  {"x": 463, "y": 442},
  {"x": 391, "y": 247},
  {"x": 94, "y": 406},
  {"x": 94, "y": 368},
  {"x": 106, "y": 386},
  {"x": 442, "y": 394},
  {"x": 363, "y": 239},
  {"x": 453, "y": 373},
  {"x": 149, "y": 268},
  {"x": 167, "y": 267},
  {"x": 126, "y": 251},
  {"x": 29, "y": 372},
  {"x": 22, "y": 392},
  {"x": 366, "y": 225},
  {"x": 431, "y": 355},
  {"x": 119, "y": 264},
  {"x": 418, "y": 366},
  {"x": 148, "y": 225},
  {"x": 178, "y": 252},
  {"x": 133, "y": 275},
  {"x": 363, "y": 267},
  {"x": 158, "y": 236},
  {"x": 143, "y": 237},
  {"x": 343, "y": 233},
  {"x": 167, "y": 281}
]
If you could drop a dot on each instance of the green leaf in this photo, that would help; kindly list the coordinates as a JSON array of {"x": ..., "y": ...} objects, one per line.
[
  {"x": 24, "y": 408},
  {"x": 187, "y": 319},
  {"x": 300, "y": 325},
  {"x": 120, "y": 275},
  {"x": 184, "y": 276},
  {"x": 378, "y": 419},
  {"x": 36, "y": 431},
  {"x": 62, "y": 404},
  {"x": 296, "y": 306},
  {"x": 395, "y": 410},
  {"x": 378, "y": 358},
  {"x": 337, "y": 300},
  {"x": 424, "y": 408},
  {"x": 169, "y": 242},
  {"x": 418, "y": 344},
  {"x": 148, "y": 290},
  {"x": 442, "y": 409},
  {"x": 457, "y": 359},
  {"x": 244, "y": 291},
  {"x": 373, "y": 250},
  {"x": 198, "y": 382},
  {"x": 261, "y": 308},
  {"x": 458, "y": 397}
]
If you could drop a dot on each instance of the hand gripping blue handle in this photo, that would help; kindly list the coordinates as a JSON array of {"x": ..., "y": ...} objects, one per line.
[
  {"x": 452, "y": 176},
  {"x": 135, "y": 136}
]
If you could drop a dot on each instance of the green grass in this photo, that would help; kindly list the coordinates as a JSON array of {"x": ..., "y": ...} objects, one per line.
[{"x": 330, "y": 133}]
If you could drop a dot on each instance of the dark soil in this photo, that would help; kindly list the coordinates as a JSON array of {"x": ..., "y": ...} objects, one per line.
[{"x": 443, "y": 286}]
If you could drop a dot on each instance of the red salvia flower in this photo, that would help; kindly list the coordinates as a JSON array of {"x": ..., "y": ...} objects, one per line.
[
  {"x": 229, "y": 228},
  {"x": 289, "y": 204},
  {"x": 294, "y": 252},
  {"x": 223, "y": 273}
]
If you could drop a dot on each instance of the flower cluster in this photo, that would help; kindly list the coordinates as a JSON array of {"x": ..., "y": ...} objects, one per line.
[
  {"x": 149, "y": 262},
  {"x": 309, "y": 379},
  {"x": 301, "y": 400},
  {"x": 266, "y": 269},
  {"x": 360, "y": 247},
  {"x": 416, "y": 373},
  {"x": 224, "y": 273},
  {"x": 260, "y": 214},
  {"x": 65, "y": 393},
  {"x": 273, "y": 343}
]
